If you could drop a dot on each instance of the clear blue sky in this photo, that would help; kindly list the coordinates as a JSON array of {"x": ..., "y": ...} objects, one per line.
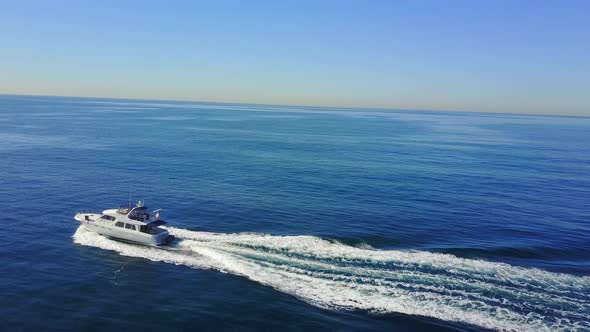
[{"x": 501, "y": 56}]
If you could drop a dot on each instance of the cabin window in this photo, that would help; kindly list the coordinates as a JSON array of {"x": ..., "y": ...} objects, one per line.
[
  {"x": 130, "y": 226},
  {"x": 119, "y": 224}
]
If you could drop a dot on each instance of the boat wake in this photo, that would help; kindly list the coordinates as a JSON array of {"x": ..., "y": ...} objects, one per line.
[{"x": 335, "y": 276}]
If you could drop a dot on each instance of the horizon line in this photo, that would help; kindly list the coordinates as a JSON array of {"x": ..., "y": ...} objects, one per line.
[{"x": 408, "y": 110}]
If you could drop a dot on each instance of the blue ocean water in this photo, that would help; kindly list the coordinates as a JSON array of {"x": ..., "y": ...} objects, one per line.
[{"x": 294, "y": 218}]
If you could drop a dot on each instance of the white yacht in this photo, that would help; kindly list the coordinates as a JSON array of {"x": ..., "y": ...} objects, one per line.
[{"x": 128, "y": 223}]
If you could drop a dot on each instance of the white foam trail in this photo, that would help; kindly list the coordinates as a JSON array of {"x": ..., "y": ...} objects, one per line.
[{"x": 340, "y": 277}]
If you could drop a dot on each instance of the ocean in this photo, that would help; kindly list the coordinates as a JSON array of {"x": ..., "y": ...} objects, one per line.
[{"x": 294, "y": 218}]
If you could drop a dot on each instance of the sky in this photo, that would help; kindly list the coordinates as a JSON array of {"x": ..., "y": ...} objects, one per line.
[{"x": 486, "y": 56}]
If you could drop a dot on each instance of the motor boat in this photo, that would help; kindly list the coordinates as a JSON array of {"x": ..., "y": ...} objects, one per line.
[{"x": 128, "y": 223}]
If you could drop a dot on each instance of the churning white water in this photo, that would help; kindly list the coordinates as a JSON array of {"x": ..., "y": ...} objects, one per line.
[{"x": 335, "y": 276}]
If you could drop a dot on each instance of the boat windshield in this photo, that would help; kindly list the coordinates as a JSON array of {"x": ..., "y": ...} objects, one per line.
[{"x": 139, "y": 213}]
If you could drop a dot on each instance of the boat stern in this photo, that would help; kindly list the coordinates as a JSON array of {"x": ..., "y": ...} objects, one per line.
[
  {"x": 168, "y": 239},
  {"x": 165, "y": 239}
]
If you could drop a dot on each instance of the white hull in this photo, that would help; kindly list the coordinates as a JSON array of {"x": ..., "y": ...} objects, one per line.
[{"x": 90, "y": 222}]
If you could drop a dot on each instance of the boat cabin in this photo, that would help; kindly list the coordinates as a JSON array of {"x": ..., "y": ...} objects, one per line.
[
  {"x": 149, "y": 228},
  {"x": 138, "y": 219}
]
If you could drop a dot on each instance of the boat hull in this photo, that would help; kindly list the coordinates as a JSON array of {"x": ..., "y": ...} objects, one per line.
[{"x": 158, "y": 239}]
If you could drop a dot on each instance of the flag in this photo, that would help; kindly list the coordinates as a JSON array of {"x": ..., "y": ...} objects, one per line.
[{"x": 157, "y": 215}]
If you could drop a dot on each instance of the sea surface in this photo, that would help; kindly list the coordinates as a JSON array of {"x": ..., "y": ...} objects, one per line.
[{"x": 294, "y": 218}]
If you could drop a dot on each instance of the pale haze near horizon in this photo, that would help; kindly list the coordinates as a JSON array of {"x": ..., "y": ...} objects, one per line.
[{"x": 523, "y": 57}]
